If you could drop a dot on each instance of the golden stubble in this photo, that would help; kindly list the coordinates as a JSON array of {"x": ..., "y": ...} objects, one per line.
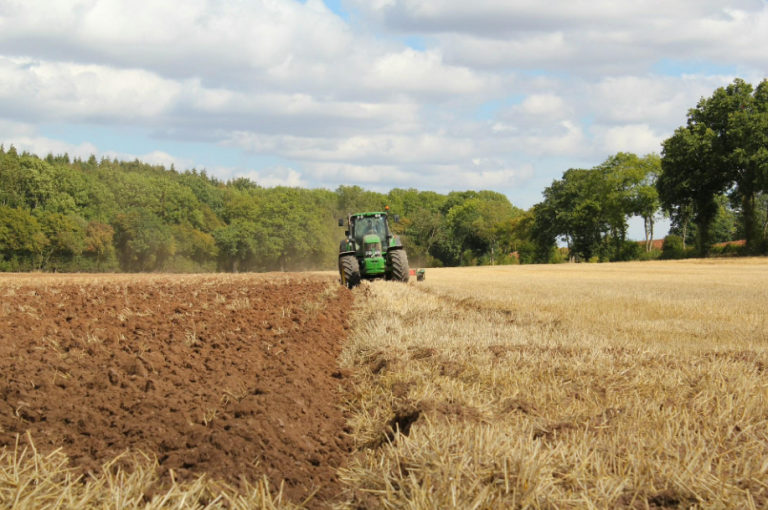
[{"x": 636, "y": 385}]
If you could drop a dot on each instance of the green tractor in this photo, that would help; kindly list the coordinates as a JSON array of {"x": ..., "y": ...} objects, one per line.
[{"x": 371, "y": 251}]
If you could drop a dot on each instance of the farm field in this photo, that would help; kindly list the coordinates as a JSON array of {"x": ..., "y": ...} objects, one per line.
[
  {"x": 231, "y": 377},
  {"x": 634, "y": 385}
]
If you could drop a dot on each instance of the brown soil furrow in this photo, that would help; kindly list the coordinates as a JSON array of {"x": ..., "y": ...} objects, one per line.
[{"x": 232, "y": 376}]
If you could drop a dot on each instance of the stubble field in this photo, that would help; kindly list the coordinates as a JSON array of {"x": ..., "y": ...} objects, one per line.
[{"x": 639, "y": 385}]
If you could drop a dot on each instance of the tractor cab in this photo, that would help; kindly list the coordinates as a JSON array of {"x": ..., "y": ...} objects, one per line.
[{"x": 363, "y": 226}]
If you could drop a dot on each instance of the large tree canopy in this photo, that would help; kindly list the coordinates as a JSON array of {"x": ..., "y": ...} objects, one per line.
[
  {"x": 588, "y": 209},
  {"x": 722, "y": 149}
]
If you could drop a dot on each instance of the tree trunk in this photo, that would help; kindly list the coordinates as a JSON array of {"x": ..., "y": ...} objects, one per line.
[
  {"x": 750, "y": 222},
  {"x": 621, "y": 235},
  {"x": 765, "y": 223},
  {"x": 647, "y": 240},
  {"x": 47, "y": 259},
  {"x": 704, "y": 244},
  {"x": 706, "y": 212},
  {"x": 685, "y": 231},
  {"x": 235, "y": 263},
  {"x": 650, "y": 245},
  {"x": 645, "y": 231}
]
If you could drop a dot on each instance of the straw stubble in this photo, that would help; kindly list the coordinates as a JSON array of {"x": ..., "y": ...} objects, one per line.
[{"x": 637, "y": 385}]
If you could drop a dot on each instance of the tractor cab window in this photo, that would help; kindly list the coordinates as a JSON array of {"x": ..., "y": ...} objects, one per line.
[{"x": 370, "y": 225}]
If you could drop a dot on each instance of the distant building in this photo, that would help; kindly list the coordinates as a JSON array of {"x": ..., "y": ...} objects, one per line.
[
  {"x": 656, "y": 244},
  {"x": 740, "y": 242}
]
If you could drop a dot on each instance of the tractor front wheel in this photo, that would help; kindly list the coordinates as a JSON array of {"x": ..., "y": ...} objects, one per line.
[
  {"x": 349, "y": 270},
  {"x": 400, "y": 270}
]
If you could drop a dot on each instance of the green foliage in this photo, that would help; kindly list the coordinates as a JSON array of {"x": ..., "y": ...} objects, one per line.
[
  {"x": 65, "y": 237},
  {"x": 728, "y": 250},
  {"x": 142, "y": 240},
  {"x": 476, "y": 225},
  {"x": 99, "y": 238},
  {"x": 109, "y": 215},
  {"x": 672, "y": 244},
  {"x": 588, "y": 209},
  {"x": 630, "y": 250},
  {"x": 236, "y": 242},
  {"x": 20, "y": 234},
  {"x": 722, "y": 149},
  {"x": 673, "y": 248},
  {"x": 195, "y": 245}
]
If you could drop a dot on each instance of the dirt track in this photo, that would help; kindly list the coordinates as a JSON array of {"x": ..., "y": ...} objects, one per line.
[{"x": 234, "y": 376}]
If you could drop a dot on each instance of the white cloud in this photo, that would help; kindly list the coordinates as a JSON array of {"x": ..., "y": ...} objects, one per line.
[
  {"x": 416, "y": 71},
  {"x": 348, "y": 101},
  {"x": 564, "y": 138},
  {"x": 346, "y": 173},
  {"x": 157, "y": 158},
  {"x": 74, "y": 92},
  {"x": 649, "y": 99},
  {"x": 483, "y": 173},
  {"x": 25, "y": 137},
  {"x": 526, "y": 50},
  {"x": 272, "y": 176},
  {"x": 370, "y": 149},
  {"x": 11, "y": 128},
  {"x": 42, "y": 146},
  {"x": 183, "y": 38},
  {"x": 253, "y": 46},
  {"x": 582, "y": 36},
  {"x": 637, "y": 138},
  {"x": 543, "y": 104}
]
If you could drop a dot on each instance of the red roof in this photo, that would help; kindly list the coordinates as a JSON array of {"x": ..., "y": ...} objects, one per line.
[
  {"x": 740, "y": 242},
  {"x": 657, "y": 244}
]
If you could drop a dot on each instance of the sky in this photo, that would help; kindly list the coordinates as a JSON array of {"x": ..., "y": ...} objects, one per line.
[{"x": 434, "y": 94}]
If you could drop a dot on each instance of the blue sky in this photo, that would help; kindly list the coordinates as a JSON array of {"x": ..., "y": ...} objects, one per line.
[{"x": 434, "y": 94}]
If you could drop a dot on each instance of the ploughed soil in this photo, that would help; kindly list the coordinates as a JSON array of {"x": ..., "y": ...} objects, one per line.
[{"x": 233, "y": 376}]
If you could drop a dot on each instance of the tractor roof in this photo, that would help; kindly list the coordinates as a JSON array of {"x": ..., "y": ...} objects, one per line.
[{"x": 368, "y": 214}]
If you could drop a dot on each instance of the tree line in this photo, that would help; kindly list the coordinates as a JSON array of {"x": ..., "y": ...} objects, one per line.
[
  {"x": 58, "y": 214},
  {"x": 711, "y": 181}
]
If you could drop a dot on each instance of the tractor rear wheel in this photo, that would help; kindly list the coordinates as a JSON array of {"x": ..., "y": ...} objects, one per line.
[
  {"x": 349, "y": 270},
  {"x": 400, "y": 270}
]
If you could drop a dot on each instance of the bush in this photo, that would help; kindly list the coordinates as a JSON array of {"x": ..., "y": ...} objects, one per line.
[
  {"x": 526, "y": 250},
  {"x": 673, "y": 247},
  {"x": 501, "y": 260},
  {"x": 650, "y": 255},
  {"x": 764, "y": 246},
  {"x": 729, "y": 250},
  {"x": 468, "y": 259},
  {"x": 10, "y": 266},
  {"x": 559, "y": 256},
  {"x": 630, "y": 250}
]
